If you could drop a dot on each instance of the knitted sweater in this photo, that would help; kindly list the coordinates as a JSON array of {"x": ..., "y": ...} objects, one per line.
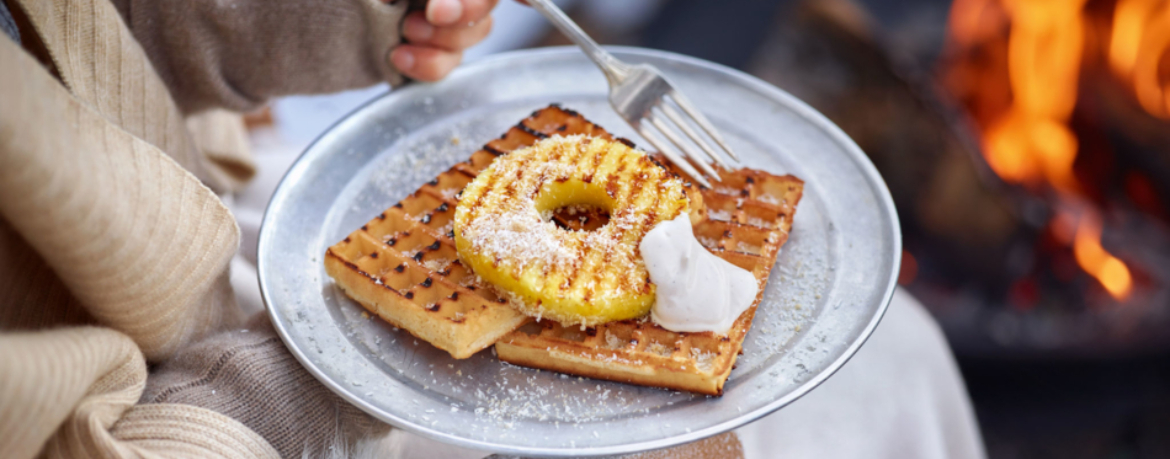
[{"x": 114, "y": 246}]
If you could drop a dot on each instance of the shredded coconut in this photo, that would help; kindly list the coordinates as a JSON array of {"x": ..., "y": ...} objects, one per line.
[
  {"x": 437, "y": 264},
  {"x": 703, "y": 359},
  {"x": 508, "y": 229},
  {"x": 450, "y": 193},
  {"x": 613, "y": 341},
  {"x": 768, "y": 199}
]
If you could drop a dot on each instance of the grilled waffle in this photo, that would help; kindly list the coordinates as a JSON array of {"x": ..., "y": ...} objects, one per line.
[
  {"x": 749, "y": 215},
  {"x": 403, "y": 267},
  {"x": 385, "y": 265}
]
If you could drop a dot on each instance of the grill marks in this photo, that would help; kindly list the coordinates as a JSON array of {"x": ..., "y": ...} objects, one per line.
[
  {"x": 573, "y": 274},
  {"x": 395, "y": 271},
  {"x": 593, "y": 166},
  {"x": 576, "y": 278},
  {"x": 523, "y": 126},
  {"x": 626, "y": 187},
  {"x": 480, "y": 193},
  {"x": 650, "y": 216},
  {"x": 639, "y": 190},
  {"x": 623, "y": 175},
  {"x": 566, "y": 284},
  {"x": 462, "y": 303}
]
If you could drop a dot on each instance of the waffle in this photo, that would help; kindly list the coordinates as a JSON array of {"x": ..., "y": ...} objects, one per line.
[
  {"x": 749, "y": 215},
  {"x": 402, "y": 266}
]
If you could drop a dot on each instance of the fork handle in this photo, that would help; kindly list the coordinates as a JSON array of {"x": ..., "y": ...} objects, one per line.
[{"x": 614, "y": 69}]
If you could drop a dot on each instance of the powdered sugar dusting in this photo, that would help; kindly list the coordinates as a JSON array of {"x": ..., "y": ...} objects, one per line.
[
  {"x": 499, "y": 218},
  {"x": 796, "y": 289},
  {"x": 436, "y": 264},
  {"x": 520, "y": 236}
]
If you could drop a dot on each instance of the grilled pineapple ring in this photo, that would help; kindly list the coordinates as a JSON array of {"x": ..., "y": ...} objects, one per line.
[{"x": 504, "y": 233}]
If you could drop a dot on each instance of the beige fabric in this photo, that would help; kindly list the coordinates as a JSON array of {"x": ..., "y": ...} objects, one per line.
[
  {"x": 73, "y": 391},
  {"x": 48, "y": 373},
  {"x": 99, "y": 225},
  {"x": 222, "y": 138},
  {"x": 726, "y": 446},
  {"x": 31, "y": 295},
  {"x": 172, "y": 430},
  {"x": 307, "y": 46},
  {"x": 143, "y": 247},
  {"x": 101, "y": 63},
  {"x": 224, "y": 373},
  {"x": 140, "y": 242}
]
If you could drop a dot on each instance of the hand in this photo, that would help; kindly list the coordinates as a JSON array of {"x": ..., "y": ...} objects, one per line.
[{"x": 436, "y": 37}]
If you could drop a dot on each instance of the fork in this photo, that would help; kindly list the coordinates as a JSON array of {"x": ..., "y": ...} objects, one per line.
[{"x": 643, "y": 97}]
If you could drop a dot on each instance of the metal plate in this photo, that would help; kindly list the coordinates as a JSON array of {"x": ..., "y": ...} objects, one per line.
[{"x": 834, "y": 278}]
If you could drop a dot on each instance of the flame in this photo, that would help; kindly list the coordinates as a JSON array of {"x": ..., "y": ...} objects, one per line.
[
  {"x": 972, "y": 22},
  {"x": 1032, "y": 142},
  {"x": 1139, "y": 48},
  {"x": 1029, "y": 141},
  {"x": 1111, "y": 272}
]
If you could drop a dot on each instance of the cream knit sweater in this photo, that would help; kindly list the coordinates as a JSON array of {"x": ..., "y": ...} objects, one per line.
[{"x": 113, "y": 248}]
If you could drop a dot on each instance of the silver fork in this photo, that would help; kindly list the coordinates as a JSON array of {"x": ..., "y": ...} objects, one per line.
[{"x": 641, "y": 95}]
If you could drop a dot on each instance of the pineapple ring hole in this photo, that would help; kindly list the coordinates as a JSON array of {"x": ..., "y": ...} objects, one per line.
[{"x": 574, "y": 205}]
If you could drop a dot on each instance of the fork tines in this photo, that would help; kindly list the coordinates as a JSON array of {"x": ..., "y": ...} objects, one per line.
[{"x": 669, "y": 122}]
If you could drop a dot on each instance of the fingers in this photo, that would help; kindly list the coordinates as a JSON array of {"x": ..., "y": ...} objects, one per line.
[
  {"x": 418, "y": 31},
  {"x": 424, "y": 63},
  {"x": 452, "y": 12},
  {"x": 437, "y": 37}
]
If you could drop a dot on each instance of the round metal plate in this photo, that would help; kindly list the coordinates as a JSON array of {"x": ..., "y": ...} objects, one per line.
[{"x": 832, "y": 283}]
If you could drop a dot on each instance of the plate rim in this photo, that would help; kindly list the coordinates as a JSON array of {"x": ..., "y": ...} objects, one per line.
[{"x": 798, "y": 107}]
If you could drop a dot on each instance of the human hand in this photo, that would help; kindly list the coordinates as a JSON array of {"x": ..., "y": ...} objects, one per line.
[{"x": 436, "y": 37}]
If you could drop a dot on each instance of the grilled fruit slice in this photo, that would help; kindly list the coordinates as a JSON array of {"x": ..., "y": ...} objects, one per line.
[{"x": 504, "y": 232}]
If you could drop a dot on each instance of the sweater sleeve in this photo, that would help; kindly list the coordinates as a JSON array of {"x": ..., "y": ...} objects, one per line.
[{"x": 236, "y": 54}]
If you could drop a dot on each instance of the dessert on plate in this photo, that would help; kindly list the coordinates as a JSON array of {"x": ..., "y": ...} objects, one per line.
[{"x": 570, "y": 250}]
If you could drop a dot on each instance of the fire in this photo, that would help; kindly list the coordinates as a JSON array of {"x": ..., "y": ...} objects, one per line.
[
  {"x": 1026, "y": 137},
  {"x": 1111, "y": 272},
  {"x": 1031, "y": 142},
  {"x": 1139, "y": 51}
]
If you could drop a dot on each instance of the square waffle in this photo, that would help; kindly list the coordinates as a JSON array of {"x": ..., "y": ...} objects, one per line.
[
  {"x": 748, "y": 217},
  {"x": 403, "y": 266}
]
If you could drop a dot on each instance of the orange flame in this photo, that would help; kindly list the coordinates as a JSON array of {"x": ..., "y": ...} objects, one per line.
[
  {"x": 1139, "y": 51},
  {"x": 1032, "y": 141},
  {"x": 1029, "y": 141},
  {"x": 1111, "y": 272}
]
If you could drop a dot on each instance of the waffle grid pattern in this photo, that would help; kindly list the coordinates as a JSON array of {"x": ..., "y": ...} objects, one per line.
[
  {"x": 402, "y": 265},
  {"x": 749, "y": 215}
]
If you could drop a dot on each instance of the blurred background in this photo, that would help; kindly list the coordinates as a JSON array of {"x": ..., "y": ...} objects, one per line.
[{"x": 1027, "y": 146}]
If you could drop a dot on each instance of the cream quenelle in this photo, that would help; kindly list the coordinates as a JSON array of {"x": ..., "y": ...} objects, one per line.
[{"x": 696, "y": 290}]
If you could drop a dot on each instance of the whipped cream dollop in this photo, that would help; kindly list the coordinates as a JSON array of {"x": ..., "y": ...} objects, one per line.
[{"x": 696, "y": 290}]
